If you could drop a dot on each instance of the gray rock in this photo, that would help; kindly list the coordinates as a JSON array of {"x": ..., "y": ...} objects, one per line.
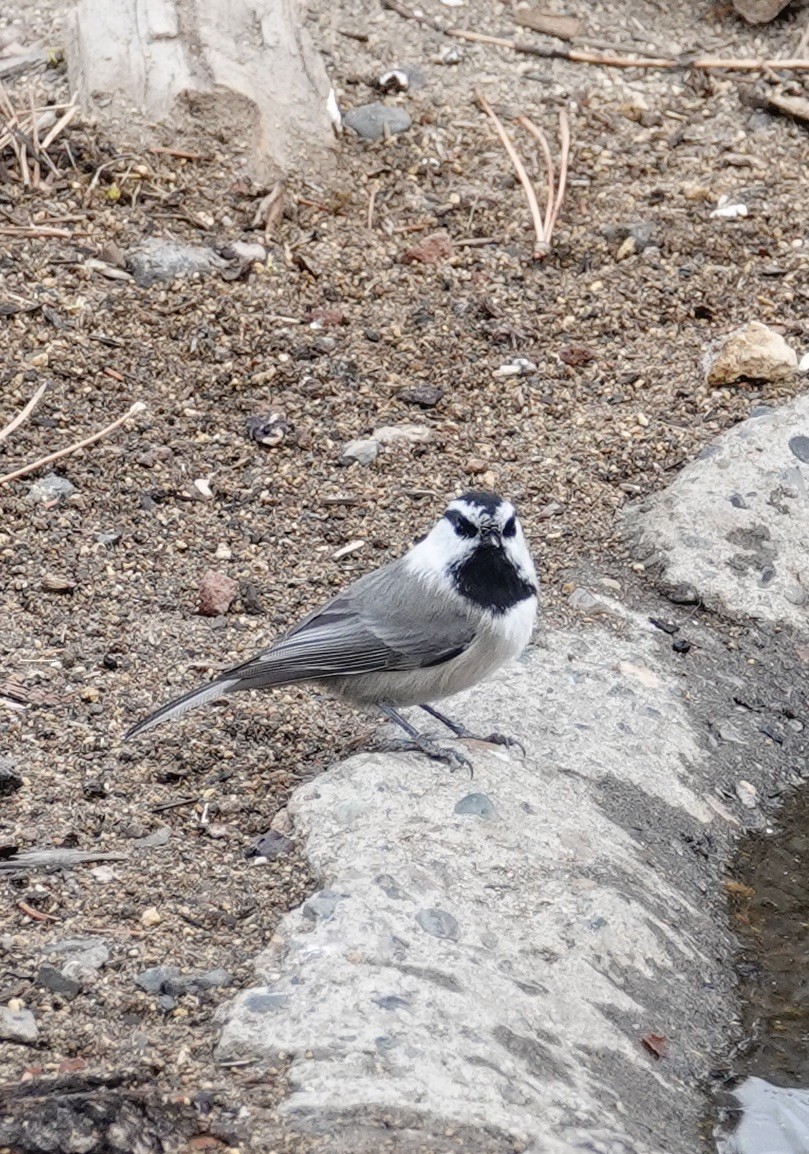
[
  {"x": 362, "y": 451},
  {"x": 212, "y": 979},
  {"x": 10, "y": 781},
  {"x": 322, "y": 905},
  {"x": 759, "y": 11},
  {"x": 53, "y": 979},
  {"x": 748, "y": 557},
  {"x": 245, "y": 251},
  {"x": 49, "y": 488},
  {"x": 155, "y": 261},
  {"x": 155, "y": 840},
  {"x": 161, "y": 980},
  {"x": 475, "y": 805},
  {"x": 84, "y": 966},
  {"x": 439, "y": 924},
  {"x": 372, "y": 121},
  {"x": 71, "y": 946},
  {"x": 271, "y": 845},
  {"x": 17, "y": 1026}
]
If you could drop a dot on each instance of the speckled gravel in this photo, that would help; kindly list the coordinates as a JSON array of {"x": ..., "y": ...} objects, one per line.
[{"x": 339, "y": 335}]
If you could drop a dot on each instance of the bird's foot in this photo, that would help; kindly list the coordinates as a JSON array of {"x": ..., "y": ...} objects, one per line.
[
  {"x": 492, "y": 739},
  {"x": 430, "y": 748}
]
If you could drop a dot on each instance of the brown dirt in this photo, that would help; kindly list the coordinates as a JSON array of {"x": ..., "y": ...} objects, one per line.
[{"x": 571, "y": 442}]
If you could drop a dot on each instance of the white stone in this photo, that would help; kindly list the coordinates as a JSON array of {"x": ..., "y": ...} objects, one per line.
[
  {"x": 17, "y": 1026},
  {"x": 48, "y": 488},
  {"x": 753, "y": 351},
  {"x": 415, "y": 434},
  {"x": 363, "y": 451}
]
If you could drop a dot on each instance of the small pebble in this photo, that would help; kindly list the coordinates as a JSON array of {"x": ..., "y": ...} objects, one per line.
[
  {"x": 425, "y": 396},
  {"x": 17, "y": 1025},
  {"x": 151, "y": 917},
  {"x": 50, "y": 488},
  {"x": 363, "y": 452},
  {"x": 433, "y": 249},
  {"x": 217, "y": 592},
  {"x": 747, "y": 794},
  {"x": 375, "y": 121}
]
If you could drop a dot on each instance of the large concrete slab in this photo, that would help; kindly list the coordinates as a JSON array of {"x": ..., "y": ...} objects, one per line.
[
  {"x": 733, "y": 529},
  {"x": 486, "y": 956}
]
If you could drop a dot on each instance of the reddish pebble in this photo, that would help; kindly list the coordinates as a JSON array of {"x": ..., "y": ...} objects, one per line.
[
  {"x": 329, "y": 316},
  {"x": 432, "y": 250},
  {"x": 217, "y": 593}
]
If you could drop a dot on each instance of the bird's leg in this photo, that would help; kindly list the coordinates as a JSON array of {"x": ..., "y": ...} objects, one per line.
[
  {"x": 462, "y": 731},
  {"x": 452, "y": 757}
]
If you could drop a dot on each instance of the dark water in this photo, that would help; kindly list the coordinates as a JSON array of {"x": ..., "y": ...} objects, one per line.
[
  {"x": 771, "y": 918},
  {"x": 769, "y": 901}
]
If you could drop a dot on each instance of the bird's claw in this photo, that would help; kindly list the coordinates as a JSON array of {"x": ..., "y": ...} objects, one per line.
[
  {"x": 451, "y": 757},
  {"x": 504, "y": 739},
  {"x": 492, "y": 739}
]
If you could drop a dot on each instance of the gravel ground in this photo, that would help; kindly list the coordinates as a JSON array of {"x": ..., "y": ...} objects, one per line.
[{"x": 331, "y": 331}]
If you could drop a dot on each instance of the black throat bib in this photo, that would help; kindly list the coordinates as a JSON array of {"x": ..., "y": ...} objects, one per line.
[{"x": 489, "y": 579}]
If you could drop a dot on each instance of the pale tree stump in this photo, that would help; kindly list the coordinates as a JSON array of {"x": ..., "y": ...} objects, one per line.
[{"x": 243, "y": 69}]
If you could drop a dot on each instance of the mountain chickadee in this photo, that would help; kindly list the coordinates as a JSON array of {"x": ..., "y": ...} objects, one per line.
[{"x": 447, "y": 614}]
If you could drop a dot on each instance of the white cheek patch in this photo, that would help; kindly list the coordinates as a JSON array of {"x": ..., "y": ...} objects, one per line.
[{"x": 433, "y": 558}]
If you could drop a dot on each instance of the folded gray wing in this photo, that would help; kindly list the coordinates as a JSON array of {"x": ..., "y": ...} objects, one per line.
[{"x": 380, "y": 623}]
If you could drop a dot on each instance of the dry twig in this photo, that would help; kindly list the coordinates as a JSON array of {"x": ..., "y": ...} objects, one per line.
[
  {"x": 21, "y": 136},
  {"x": 533, "y": 206},
  {"x": 270, "y": 209},
  {"x": 543, "y": 227},
  {"x": 18, "y": 420},
  {"x": 138, "y": 407},
  {"x": 614, "y": 60}
]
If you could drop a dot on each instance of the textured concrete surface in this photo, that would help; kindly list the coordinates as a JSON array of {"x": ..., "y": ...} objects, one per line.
[
  {"x": 489, "y": 954},
  {"x": 733, "y": 528},
  {"x": 538, "y": 959}
]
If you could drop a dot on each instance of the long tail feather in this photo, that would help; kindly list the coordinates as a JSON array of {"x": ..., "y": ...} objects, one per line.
[{"x": 182, "y": 704}]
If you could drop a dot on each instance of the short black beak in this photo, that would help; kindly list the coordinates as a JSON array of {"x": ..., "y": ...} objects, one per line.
[{"x": 491, "y": 537}]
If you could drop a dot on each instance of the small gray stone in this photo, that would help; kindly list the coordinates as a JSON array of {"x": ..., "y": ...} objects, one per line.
[
  {"x": 10, "y": 781},
  {"x": 271, "y": 845},
  {"x": 392, "y": 1002},
  {"x": 17, "y": 1026},
  {"x": 71, "y": 946},
  {"x": 390, "y": 887},
  {"x": 53, "y": 979},
  {"x": 245, "y": 251},
  {"x": 167, "y": 1002},
  {"x": 212, "y": 979},
  {"x": 84, "y": 966},
  {"x": 160, "y": 837},
  {"x": 800, "y": 447},
  {"x": 321, "y": 906},
  {"x": 683, "y": 594},
  {"x": 362, "y": 451},
  {"x": 265, "y": 1003},
  {"x": 160, "y": 980},
  {"x": 476, "y": 805},
  {"x": 155, "y": 261},
  {"x": 372, "y": 121},
  {"x": 49, "y": 488},
  {"x": 438, "y": 923}
]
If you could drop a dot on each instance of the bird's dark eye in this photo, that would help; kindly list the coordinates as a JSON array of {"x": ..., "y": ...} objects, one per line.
[
  {"x": 462, "y": 525},
  {"x": 510, "y": 527}
]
